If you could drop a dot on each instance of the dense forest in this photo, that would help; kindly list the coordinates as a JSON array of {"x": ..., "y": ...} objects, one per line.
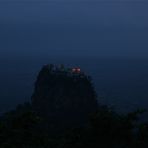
[{"x": 65, "y": 112}]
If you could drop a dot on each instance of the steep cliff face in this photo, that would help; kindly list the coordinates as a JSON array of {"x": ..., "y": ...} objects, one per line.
[{"x": 63, "y": 95}]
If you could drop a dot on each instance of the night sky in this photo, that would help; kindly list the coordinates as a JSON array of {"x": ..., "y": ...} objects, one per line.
[
  {"x": 75, "y": 32},
  {"x": 74, "y": 27}
]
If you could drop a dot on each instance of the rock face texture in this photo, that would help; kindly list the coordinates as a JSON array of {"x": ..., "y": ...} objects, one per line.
[{"x": 63, "y": 96}]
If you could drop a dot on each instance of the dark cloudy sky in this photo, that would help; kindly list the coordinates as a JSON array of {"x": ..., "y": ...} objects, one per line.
[{"x": 74, "y": 27}]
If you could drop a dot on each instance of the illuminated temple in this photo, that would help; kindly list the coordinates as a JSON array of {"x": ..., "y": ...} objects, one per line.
[{"x": 60, "y": 69}]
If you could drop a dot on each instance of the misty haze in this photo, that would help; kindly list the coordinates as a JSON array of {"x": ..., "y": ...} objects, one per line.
[
  {"x": 108, "y": 40},
  {"x": 33, "y": 32}
]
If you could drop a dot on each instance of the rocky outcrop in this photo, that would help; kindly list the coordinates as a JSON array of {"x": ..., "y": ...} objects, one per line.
[{"x": 63, "y": 95}]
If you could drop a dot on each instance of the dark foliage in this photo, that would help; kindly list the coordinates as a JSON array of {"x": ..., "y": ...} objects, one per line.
[
  {"x": 25, "y": 127},
  {"x": 105, "y": 129}
]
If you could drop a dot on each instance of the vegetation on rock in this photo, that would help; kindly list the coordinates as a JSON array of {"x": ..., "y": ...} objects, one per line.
[
  {"x": 61, "y": 98},
  {"x": 64, "y": 97}
]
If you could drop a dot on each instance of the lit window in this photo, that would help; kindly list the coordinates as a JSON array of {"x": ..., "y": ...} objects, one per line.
[{"x": 73, "y": 70}]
